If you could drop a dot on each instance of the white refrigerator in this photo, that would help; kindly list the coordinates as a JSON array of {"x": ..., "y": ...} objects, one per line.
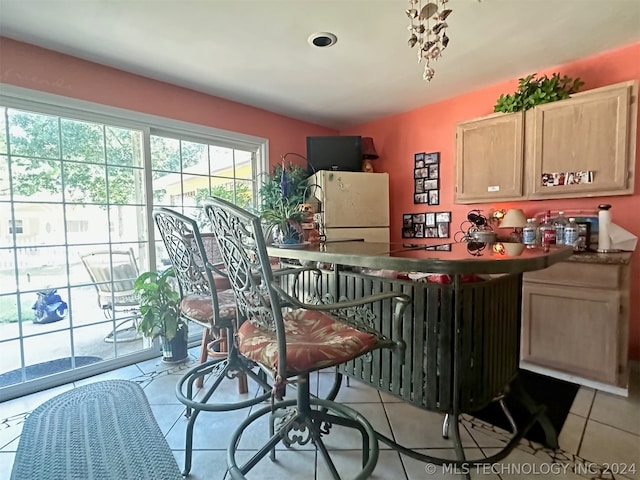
[{"x": 353, "y": 205}]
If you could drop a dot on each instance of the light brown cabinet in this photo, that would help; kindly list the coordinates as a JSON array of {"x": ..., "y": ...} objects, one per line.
[
  {"x": 500, "y": 139},
  {"x": 503, "y": 156},
  {"x": 575, "y": 321},
  {"x": 589, "y": 132}
]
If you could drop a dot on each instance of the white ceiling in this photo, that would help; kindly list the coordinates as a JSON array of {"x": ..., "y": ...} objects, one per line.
[{"x": 256, "y": 52}]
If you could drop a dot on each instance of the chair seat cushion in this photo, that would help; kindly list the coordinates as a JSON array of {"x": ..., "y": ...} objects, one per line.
[
  {"x": 200, "y": 308},
  {"x": 221, "y": 282},
  {"x": 314, "y": 340}
]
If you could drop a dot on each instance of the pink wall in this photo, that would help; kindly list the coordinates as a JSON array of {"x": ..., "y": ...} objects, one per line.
[
  {"x": 432, "y": 129},
  {"x": 36, "y": 68}
]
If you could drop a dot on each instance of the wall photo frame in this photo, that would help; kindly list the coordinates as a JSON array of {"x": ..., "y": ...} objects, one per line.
[
  {"x": 426, "y": 225},
  {"x": 426, "y": 174}
]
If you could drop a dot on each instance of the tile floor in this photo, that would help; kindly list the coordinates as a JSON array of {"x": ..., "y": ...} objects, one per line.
[{"x": 601, "y": 430}]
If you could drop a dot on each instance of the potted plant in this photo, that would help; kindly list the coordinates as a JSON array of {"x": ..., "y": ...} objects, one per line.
[
  {"x": 534, "y": 91},
  {"x": 281, "y": 197},
  {"x": 160, "y": 315}
]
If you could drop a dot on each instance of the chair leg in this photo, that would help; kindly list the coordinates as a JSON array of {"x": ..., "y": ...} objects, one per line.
[
  {"x": 457, "y": 441},
  {"x": 203, "y": 353},
  {"x": 445, "y": 427},
  {"x": 521, "y": 395},
  {"x": 221, "y": 342},
  {"x": 301, "y": 425}
]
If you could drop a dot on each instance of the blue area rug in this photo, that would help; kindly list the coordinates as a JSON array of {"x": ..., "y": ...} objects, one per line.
[
  {"x": 101, "y": 431},
  {"x": 46, "y": 368}
]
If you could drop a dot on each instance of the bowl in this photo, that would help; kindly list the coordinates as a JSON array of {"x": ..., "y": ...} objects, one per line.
[{"x": 486, "y": 236}]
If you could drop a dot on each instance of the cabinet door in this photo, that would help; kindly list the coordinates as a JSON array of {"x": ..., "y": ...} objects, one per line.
[
  {"x": 588, "y": 132},
  {"x": 489, "y": 159},
  {"x": 573, "y": 330}
]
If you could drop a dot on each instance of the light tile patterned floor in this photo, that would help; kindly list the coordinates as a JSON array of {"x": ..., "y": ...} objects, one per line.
[{"x": 601, "y": 429}]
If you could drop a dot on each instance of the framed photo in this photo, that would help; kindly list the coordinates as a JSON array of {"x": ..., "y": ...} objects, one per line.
[
  {"x": 407, "y": 232},
  {"x": 431, "y": 232},
  {"x": 430, "y": 184},
  {"x": 446, "y": 247},
  {"x": 419, "y": 157},
  {"x": 418, "y": 218},
  {"x": 433, "y": 197},
  {"x": 407, "y": 220},
  {"x": 443, "y": 230},
  {"x": 421, "y": 198},
  {"x": 430, "y": 158},
  {"x": 430, "y": 219},
  {"x": 443, "y": 217},
  {"x": 418, "y": 228},
  {"x": 434, "y": 170},
  {"x": 419, "y": 188}
]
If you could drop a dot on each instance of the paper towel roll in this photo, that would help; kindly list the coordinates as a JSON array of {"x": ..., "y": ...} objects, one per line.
[{"x": 604, "y": 223}]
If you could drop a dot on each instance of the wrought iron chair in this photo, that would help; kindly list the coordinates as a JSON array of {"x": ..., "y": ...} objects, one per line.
[
  {"x": 291, "y": 339},
  {"x": 113, "y": 274},
  {"x": 195, "y": 261}
]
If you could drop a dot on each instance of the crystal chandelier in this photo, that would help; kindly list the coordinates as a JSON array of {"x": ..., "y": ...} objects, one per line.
[{"x": 428, "y": 27}]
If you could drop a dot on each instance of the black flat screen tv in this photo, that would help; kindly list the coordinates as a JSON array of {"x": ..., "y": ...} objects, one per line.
[{"x": 334, "y": 153}]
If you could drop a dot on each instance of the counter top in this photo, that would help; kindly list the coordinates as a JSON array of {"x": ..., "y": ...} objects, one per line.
[
  {"x": 621, "y": 258},
  {"x": 450, "y": 258}
]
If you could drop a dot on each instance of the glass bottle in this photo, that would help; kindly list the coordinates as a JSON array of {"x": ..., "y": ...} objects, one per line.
[
  {"x": 529, "y": 233},
  {"x": 547, "y": 231},
  {"x": 560, "y": 223},
  {"x": 571, "y": 234}
]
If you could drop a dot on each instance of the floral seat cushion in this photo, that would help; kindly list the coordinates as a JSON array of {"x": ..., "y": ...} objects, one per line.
[
  {"x": 221, "y": 282},
  {"x": 200, "y": 308},
  {"x": 314, "y": 340}
]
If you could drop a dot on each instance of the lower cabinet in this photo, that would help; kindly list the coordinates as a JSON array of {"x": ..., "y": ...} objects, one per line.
[{"x": 575, "y": 321}]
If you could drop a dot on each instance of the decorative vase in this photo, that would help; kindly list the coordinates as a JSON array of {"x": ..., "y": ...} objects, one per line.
[
  {"x": 291, "y": 234},
  {"x": 174, "y": 350}
]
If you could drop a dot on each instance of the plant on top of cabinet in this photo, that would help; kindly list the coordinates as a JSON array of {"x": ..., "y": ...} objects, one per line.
[{"x": 534, "y": 91}]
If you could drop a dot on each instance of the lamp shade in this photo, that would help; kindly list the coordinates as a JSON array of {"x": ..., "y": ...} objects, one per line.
[
  {"x": 368, "y": 150},
  {"x": 514, "y": 218}
]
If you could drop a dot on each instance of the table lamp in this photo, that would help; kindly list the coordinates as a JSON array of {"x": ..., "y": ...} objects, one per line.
[
  {"x": 368, "y": 153},
  {"x": 514, "y": 218}
]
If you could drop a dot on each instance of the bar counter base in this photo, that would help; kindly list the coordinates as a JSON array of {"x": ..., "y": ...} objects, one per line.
[{"x": 462, "y": 352}]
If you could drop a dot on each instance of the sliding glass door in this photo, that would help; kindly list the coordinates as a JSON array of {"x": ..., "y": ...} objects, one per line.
[{"x": 76, "y": 196}]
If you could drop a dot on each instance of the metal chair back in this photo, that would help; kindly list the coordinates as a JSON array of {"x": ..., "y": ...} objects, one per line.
[
  {"x": 244, "y": 253},
  {"x": 190, "y": 253}
]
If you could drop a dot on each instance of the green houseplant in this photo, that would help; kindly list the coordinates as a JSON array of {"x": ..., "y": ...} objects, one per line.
[
  {"x": 281, "y": 195},
  {"x": 160, "y": 315},
  {"x": 534, "y": 91}
]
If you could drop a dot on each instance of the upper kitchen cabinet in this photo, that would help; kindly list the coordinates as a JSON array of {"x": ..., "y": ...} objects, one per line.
[
  {"x": 489, "y": 160},
  {"x": 540, "y": 154},
  {"x": 592, "y": 132}
]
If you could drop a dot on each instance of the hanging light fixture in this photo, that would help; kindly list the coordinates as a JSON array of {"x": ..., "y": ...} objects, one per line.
[{"x": 428, "y": 27}]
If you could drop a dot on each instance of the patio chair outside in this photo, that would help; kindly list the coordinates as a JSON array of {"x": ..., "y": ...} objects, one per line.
[{"x": 113, "y": 274}]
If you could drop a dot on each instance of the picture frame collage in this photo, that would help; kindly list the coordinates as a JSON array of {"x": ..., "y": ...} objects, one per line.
[
  {"x": 426, "y": 178},
  {"x": 426, "y": 225}
]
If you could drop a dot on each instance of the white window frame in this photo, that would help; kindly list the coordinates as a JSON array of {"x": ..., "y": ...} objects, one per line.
[{"x": 48, "y": 103}]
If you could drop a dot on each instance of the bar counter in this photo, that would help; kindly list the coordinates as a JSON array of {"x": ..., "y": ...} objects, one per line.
[
  {"x": 459, "y": 258},
  {"x": 461, "y": 329}
]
